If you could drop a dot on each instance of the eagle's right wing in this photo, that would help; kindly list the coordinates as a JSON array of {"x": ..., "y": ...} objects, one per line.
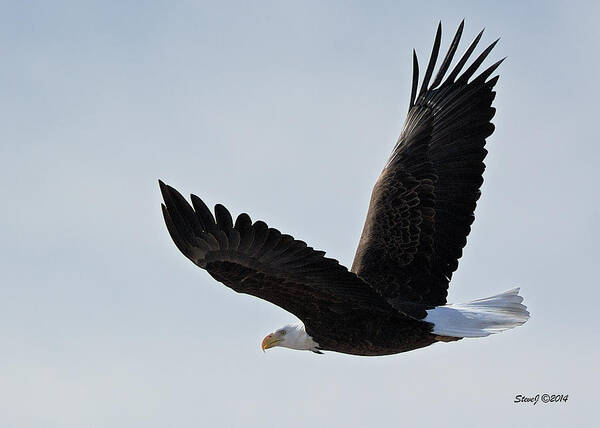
[{"x": 422, "y": 205}]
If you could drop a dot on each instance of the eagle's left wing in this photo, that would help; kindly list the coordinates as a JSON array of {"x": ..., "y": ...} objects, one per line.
[{"x": 255, "y": 259}]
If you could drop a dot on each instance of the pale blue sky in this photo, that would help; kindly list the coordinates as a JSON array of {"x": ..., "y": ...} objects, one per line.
[{"x": 286, "y": 110}]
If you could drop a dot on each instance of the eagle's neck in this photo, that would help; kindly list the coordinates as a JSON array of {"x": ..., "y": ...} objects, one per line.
[{"x": 297, "y": 338}]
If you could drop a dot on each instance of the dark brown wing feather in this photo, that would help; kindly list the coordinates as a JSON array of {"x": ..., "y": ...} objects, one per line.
[
  {"x": 422, "y": 205},
  {"x": 254, "y": 259}
]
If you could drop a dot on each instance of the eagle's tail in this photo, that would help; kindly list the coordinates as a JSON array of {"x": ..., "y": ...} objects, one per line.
[{"x": 480, "y": 317}]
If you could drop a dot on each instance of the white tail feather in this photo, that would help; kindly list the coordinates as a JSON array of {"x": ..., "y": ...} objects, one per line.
[{"x": 480, "y": 317}]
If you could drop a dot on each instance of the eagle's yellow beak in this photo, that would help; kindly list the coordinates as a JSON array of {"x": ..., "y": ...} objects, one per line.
[{"x": 269, "y": 342}]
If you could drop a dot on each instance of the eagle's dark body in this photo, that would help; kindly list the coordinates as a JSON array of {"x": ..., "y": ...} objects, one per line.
[
  {"x": 419, "y": 217},
  {"x": 351, "y": 329}
]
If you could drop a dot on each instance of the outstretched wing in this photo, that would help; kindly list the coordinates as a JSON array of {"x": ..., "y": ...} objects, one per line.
[
  {"x": 422, "y": 205},
  {"x": 255, "y": 259}
]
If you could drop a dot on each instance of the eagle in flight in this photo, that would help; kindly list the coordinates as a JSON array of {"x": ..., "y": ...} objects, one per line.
[{"x": 393, "y": 299}]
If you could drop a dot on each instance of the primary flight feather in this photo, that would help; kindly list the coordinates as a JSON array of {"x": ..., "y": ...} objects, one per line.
[{"x": 394, "y": 297}]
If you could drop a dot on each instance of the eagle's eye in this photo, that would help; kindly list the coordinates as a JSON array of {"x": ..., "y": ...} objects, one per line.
[{"x": 283, "y": 332}]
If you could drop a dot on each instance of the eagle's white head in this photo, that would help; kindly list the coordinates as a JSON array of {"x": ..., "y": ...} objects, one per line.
[{"x": 292, "y": 336}]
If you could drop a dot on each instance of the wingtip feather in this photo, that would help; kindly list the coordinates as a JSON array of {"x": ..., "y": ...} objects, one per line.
[{"x": 415, "y": 80}]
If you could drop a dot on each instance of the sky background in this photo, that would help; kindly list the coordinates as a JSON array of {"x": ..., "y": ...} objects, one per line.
[{"x": 288, "y": 111}]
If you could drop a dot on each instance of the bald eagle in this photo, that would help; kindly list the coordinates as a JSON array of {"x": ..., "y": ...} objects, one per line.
[{"x": 393, "y": 299}]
